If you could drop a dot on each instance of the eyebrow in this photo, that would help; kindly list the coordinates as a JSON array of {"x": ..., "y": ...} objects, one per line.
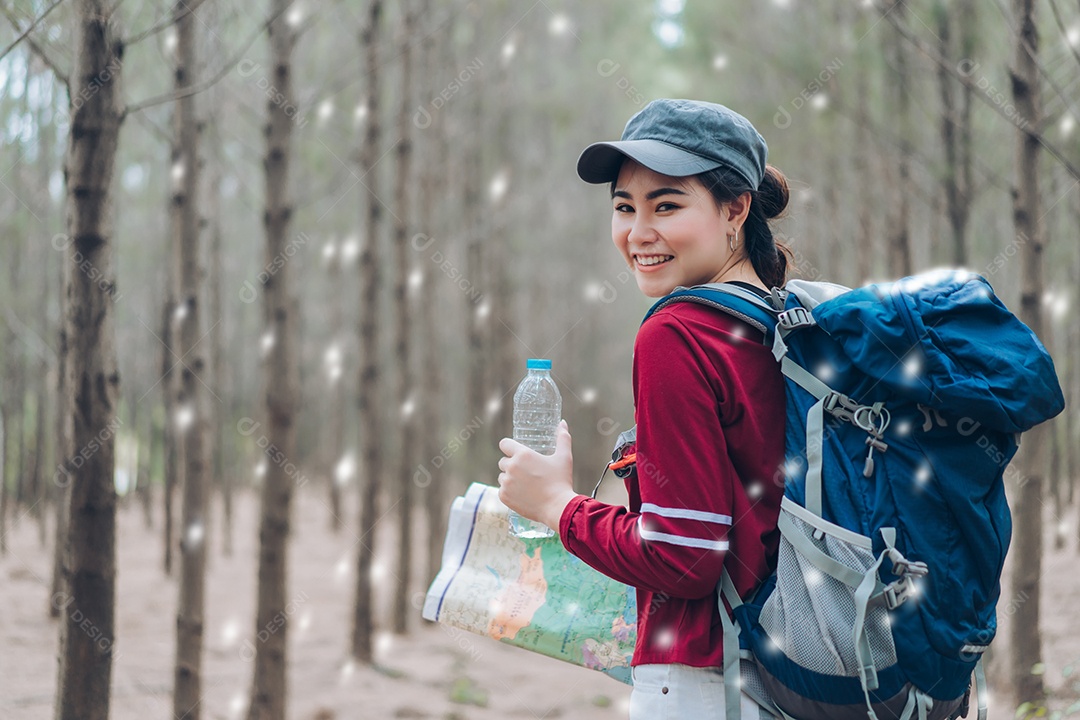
[{"x": 651, "y": 195}]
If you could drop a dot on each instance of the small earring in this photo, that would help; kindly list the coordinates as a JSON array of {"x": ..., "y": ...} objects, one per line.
[{"x": 733, "y": 240}]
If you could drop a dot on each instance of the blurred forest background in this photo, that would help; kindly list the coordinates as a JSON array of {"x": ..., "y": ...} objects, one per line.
[{"x": 270, "y": 272}]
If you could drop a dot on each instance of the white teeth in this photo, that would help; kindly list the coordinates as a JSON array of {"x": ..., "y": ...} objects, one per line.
[{"x": 654, "y": 259}]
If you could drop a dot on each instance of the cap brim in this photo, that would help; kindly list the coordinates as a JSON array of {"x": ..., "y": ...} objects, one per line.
[{"x": 600, "y": 162}]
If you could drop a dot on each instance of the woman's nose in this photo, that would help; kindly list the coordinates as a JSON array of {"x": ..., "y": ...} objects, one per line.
[{"x": 641, "y": 232}]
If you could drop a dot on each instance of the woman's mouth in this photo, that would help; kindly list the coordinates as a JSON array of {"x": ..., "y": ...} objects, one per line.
[{"x": 648, "y": 263}]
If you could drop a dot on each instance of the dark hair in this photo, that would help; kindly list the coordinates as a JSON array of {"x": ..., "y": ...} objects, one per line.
[{"x": 769, "y": 257}]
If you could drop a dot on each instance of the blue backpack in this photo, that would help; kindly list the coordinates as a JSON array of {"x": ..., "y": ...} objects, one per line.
[{"x": 905, "y": 404}]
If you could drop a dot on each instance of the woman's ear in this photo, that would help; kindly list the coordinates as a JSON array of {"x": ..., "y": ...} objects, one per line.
[{"x": 738, "y": 209}]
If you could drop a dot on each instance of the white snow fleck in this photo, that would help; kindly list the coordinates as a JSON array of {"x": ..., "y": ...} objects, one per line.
[
  {"x": 343, "y": 471},
  {"x": 230, "y": 633},
  {"x": 499, "y": 185},
  {"x": 194, "y": 534},
  {"x": 559, "y": 24},
  {"x": 912, "y": 366},
  {"x": 185, "y": 416},
  {"x": 332, "y": 356},
  {"x": 923, "y": 474},
  {"x": 350, "y": 249}
]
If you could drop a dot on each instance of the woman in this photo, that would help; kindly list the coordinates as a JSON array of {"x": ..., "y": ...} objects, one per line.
[{"x": 691, "y": 199}]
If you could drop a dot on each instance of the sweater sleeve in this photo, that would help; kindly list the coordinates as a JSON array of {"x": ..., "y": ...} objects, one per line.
[{"x": 676, "y": 543}]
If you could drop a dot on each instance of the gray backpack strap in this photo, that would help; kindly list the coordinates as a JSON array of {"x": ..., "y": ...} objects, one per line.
[
  {"x": 743, "y": 304},
  {"x": 918, "y": 705},
  {"x": 815, "y": 428},
  {"x": 732, "y": 675},
  {"x": 980, "y": 689}
]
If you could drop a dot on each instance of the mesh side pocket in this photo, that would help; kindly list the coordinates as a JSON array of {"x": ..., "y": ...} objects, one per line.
[
  {"x": 752, "y": 683},
  {"x": 810, "y": 616}
]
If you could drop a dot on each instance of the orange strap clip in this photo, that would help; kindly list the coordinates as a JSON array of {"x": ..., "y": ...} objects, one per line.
[{"x": 628, "y": 460}]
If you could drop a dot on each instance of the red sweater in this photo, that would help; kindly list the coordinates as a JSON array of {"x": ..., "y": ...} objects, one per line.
[{"x": 706, "y": 489}]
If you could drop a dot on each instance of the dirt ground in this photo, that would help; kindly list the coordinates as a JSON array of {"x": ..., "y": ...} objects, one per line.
[
  {"x": 432, "y": 672},
  {"x": 418, "y": 676}
]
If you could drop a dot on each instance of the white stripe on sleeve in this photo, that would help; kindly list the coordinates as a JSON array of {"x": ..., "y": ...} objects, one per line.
[
  {"x": 686, "y": 514},
  {"x": 679, "y": 540}
]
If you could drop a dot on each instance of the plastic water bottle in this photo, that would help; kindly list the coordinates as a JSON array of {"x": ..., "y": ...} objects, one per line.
[{"x": 537, "y": 412}]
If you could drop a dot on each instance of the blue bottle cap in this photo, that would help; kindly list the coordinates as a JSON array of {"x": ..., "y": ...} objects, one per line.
[{"x": 538, "y": 364}]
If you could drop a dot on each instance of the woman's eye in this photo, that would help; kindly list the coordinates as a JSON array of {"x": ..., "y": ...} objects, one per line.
[
  {"x": 623, "y": 208},
  {"x": 664, "y": 207}
]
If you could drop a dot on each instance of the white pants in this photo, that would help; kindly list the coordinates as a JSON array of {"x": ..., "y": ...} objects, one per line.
[{"x": 681, "y": 692}]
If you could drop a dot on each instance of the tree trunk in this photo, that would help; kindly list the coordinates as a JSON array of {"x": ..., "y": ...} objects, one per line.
[
  {"x": 37, "y": 472},
  {"x": 868, "y": 242},
  {"x": 478, "y": 313},
  {"x": 899, "y": 250},
  {"x": 217, "y": 357},
  {"x": 1058, "y": 428},
  {"x": 403, "y": 320},
  {"x": 86, "y": 657},
  {"x": 503, "y": 346},
  {"x": 335, "y": 476},
  {"x": 369, "y": 410},
  {"x": 145, "y": 434},
  {"x": 52, "y": 289},
  {"x": 1074, "y": 382},
  {"x": 21, "y": 490},
  {"x": 433, "y": 165},
  {"x": 191, "y": 406},
  {"x": 11, "y": 396},
  {"x": 173, "y": 460},
  {"x": 956, "y": 130},
  {"x": 1026, "y": 640},
  {"x": 282, "y": 382},
  {"x": 4, "y": 481}
]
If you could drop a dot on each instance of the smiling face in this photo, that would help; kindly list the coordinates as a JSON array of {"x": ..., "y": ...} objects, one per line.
[{"x": 671, "y": 231}]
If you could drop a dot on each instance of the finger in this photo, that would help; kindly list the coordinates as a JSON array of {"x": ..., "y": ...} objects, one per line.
[
  {"x": 509, "y": 446},
  {"x": 563, "y": 441},
  {"x": 502, "y": 461},
  {"x": 503, "y": 477}
]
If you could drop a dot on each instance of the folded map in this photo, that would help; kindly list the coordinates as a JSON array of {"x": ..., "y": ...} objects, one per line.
[{"x": 530, "y": 593}]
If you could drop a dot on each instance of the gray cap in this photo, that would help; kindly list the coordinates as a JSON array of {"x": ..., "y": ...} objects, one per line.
[{"x": 680, "y": 138}]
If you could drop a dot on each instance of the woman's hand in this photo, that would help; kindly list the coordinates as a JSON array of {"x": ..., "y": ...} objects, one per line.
[{"x": 537, "y": 486}]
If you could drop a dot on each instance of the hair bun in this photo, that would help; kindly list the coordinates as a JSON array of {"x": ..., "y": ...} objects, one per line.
[{"x": 773, "y": 193}]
